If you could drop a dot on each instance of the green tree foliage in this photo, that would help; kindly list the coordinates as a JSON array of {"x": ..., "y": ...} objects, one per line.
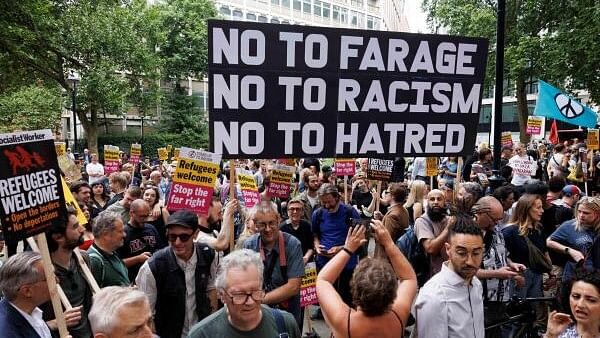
[
  {"x": 544, "y": 39},
  {"x": 28, "y": 108},
  {"x": 184, "y": 118}
]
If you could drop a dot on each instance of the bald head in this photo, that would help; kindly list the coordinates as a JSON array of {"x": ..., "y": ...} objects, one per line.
[
  {"x": 488, "y": 212},
  {"x": 436, "y": 198},
  {"x": 138, "y": 212},
  {"x": 139, "y": 204}
]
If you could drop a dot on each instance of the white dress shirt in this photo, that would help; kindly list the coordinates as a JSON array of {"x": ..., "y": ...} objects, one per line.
[
  {"x": 36, "y": 321},
  {"x": 448, "y": 307},
  {"x": 146, "y": 282}
]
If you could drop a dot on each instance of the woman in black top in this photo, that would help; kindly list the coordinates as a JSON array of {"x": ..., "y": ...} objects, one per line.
[
  {"x": 151, "y": 196},
  {"x": 99, "y": 198}
]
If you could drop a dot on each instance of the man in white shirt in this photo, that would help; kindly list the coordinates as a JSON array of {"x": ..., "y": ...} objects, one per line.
[
  {"x": 450, "y": 304},
  {"x": 94, "y": 169},
  {"x": 23, "y": 284}
]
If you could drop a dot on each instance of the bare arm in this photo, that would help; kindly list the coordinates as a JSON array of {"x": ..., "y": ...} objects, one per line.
[
  {"x": 433, "y": 246},
  {"x": 284, "y": 292}
]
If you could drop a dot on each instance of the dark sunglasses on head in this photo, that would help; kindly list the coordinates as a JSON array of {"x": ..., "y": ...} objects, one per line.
[{"x": 182, "y": 237}]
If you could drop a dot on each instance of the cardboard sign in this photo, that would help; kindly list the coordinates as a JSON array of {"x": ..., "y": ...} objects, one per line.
[
  {"x": 194, "y": 181},
  {"x": 250, "y": 195},
  {"x": 135, "y": 153},
  {"x": 305, "y": 91},
  {"x": 534, "y": 125},
  {"x": 506, "y": 139},
  {"x": 593, "y": 142},
  {"x": 163, "y": 154},
  {"x": 345, "y": 167},
  {"x": 380, "y": 170},
  {"x": 61, "y": 148},
  {"x": 287, "y": 161},
  {"x": 69, "y": 168},
  {"x": 176, "y": 154},
  {"x": 308, "y": 286},
  {"x": 111, "y": 159},
  {"x": 281, "y": 179},
  {"x": 431, "y": 168},
  {"x": 31, "y": 195},
  {"x": 523, "y": 166},
  {"x": 169, "y": 148}
]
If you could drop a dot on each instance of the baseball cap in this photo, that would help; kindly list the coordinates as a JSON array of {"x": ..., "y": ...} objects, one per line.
[
  {"x": 571, "y": 190},
  {"x": 184, "y": 218}
]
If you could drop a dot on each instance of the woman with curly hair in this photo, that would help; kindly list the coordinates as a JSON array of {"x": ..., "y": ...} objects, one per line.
[{"x": 381, "y": 292}]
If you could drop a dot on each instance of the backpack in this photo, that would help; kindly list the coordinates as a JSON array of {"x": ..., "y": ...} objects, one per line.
[
  {"x": 280, "y": 322},
  {"x": 414, "y": 253}
]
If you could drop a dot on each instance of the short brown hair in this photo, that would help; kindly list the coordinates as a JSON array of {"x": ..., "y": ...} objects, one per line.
[
  {"x": 373, "y": 286},
  {"x": 118, "y": 179}
]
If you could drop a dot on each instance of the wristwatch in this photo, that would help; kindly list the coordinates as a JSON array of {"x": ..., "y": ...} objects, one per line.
[{"x": 567, "y": 250}]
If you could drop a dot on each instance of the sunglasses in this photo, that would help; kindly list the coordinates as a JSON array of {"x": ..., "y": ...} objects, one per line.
[{"x": 182, "y": 237}]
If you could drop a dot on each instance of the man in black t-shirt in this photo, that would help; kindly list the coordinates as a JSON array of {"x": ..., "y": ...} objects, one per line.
[
  {"x": 299, "y": 228},
  {"x": 142, "y": 239}
]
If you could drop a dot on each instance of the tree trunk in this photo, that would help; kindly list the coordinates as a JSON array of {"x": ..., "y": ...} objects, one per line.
[
  {"x": 91, "y": 129},
  {"x": 522, "y": 109}
]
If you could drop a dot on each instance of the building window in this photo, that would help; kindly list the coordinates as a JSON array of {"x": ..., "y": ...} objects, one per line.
[
  {"x": 263, "y": 18},
  {"x": 285, "y": 22},
  {"x": 274, "y": 20},
  {"x": 238, "y": 15},
  {"x": 356, "y": 3},
  {"x": 354, "y": 18},
  {"x": 275, "y": 2},
  {"x": 285, "y": 3},
  {"x": 326, "y": 9},
  {"x": 250, "y": 17},
  {"x": 297, "y": 5},
  {"x": 226, "y": 12},
  {"x": 306, "y": 6},
  {"x": 370, "y": 22},
  {"x": 317, "y": 9},
  {"x": 344, "y": 15},
  {"x": 336, "y": 13}
]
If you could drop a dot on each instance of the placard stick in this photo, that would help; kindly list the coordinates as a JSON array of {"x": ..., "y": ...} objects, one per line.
[
  {"x": 378, "y": 195},
  {"x": 51, "y": 280},
  {"x": 231, "y": 198},
  {"x": 87, "y": 273},
  {"x": 345, "y": 189},
  {"x": 457, "y": 179},
  {"x": 308, "y": 320},
  {"x": 430, "y": 182},
  {"x": 63, "y": 298}
]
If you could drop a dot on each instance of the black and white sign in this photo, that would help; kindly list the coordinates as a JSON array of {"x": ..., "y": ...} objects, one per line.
[{"x": 294, "y": 91}]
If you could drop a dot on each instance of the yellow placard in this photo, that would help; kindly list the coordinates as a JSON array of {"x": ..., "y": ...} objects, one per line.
[
  {"x": 196, "y": 172},
  {"x": 163, "y": 154},
  {"x": 111, "y": 154},
  {"x": 506, "y": 138},
  {"x": 246, "y": 182},
  {"x": 70, "y": 200},
  {"x": 282, "y": 176},
  {"x": 61, "y": 148},
  {"x": 593, "y": 141},
  {"x": 176, "y": 154},
  {"x": 432, "y": 166},
  {"x": 136, "y": 149},
  {"x": 169, "y": 148}
]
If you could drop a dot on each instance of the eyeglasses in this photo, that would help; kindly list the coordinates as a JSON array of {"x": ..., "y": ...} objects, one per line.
[
  {"x": 242, "y": 298},
  {"x": 260, "y": 226},
  {"x": 496, "y": 221},
  {"x": 182, "y": 237},
  {"x": 294, "y": 209}
]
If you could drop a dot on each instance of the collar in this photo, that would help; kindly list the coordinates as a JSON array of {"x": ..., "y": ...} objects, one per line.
[
  {"x": 36, "y": 314},
  {"x": 184, "y": 264},
  {"x": 452, "y": 277},
  {"x": 102, "y": 252}
]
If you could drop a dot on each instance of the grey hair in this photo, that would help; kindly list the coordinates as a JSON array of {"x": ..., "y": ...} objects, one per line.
[
  {"x": 239, "y": 259},
  {"x": 328, "y": 189},
  {"x": 105, "y": 222},
  {"x": 107, "y": 302},
  {"x": 17, "y": 271},
  {"x": 264, "y": 207}
]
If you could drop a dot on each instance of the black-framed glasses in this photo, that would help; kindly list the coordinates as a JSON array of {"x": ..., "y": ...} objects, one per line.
[
  {"x": 295, "y": 209},
  {"x": 182, "y": 237},
  {"x": 260, "y": 226},
  {"x": 242, "y": 298}
]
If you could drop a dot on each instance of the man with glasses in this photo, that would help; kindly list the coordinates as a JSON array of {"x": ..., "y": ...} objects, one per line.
[
  {"x": 179, "y": 279},
  {"x": 281, "y": 254},
  {"x": 299, "y": 228},
  {"x": 240, "y": 286},
  {"x": 497, "y": 270}
]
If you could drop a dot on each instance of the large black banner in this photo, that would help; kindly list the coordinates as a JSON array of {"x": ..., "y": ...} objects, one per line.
[
  {"x": 295, "y": 91},
  {"x": 31, "y": 195}
]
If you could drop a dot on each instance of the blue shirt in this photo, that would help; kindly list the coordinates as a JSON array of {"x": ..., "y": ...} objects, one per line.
[
  {"x": 578, "y": 240},
  {"x": 332, "y": 230}
]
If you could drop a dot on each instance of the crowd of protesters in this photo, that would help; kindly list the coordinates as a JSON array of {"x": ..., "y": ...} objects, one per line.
[{"x": 439, "y": 256}]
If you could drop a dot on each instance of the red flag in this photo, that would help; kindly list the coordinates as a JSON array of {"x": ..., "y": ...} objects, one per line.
[{"x": 553, "y": 133}]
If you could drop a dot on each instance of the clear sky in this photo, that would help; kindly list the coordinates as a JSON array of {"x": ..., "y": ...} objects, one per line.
[{"x": 416, "y": 18}]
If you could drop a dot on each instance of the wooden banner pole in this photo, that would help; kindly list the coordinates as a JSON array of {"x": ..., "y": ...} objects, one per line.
[
  {"x": 232, "y": 196},
  {"x": 87, "y": 273},
  {"x": 52, "y": 286}
]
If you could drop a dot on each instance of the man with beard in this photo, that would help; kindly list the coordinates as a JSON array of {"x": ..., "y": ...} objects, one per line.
[
  {"x": 432, "y": 231},
  {"x": 362, "y": 196},
  {"x": 62, "y": 240},
  {"x": 212, "y": 233},
  {"x": 450, "y": 304},
  {"x": 81, "y": 191},
  {"x": 142, "y": 239},
  {"x": 309, "y": 196}
]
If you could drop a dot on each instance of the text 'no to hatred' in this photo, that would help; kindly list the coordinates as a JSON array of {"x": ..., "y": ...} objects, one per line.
[{"x": 281, "y": 90}]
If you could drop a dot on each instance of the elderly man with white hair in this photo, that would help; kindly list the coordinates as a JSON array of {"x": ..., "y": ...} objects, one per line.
[{"x": 121, "y": 312}]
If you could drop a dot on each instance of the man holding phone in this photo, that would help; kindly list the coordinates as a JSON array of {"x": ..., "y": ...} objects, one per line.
[{"x": 330, "y": 225}]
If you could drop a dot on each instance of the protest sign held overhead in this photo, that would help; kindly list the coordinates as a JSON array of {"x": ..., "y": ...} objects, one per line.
[
  {"x": 534, "y": 125},
  {"x": 506, "y": 139},
  {"x": 163, "y": 154},
  {"x": 135, "y": 153},
  {"x": 61, "y": 148},
  {"x": 340, "y": 92},
  {"x": 281, "y": 180},
  {"x": 592, "y": 139},
  {"x": 194, "y": 180},
  {"x": 379, "y": 169},
  {"x": 69, "y": 168},
  {"x": 111, "y": 159},
  {"x": 345, "y": 167},
  {"x": 248, "y": 187},
  {"x": 31, "y": 194},
  {"x": 431, "y": 166}
]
